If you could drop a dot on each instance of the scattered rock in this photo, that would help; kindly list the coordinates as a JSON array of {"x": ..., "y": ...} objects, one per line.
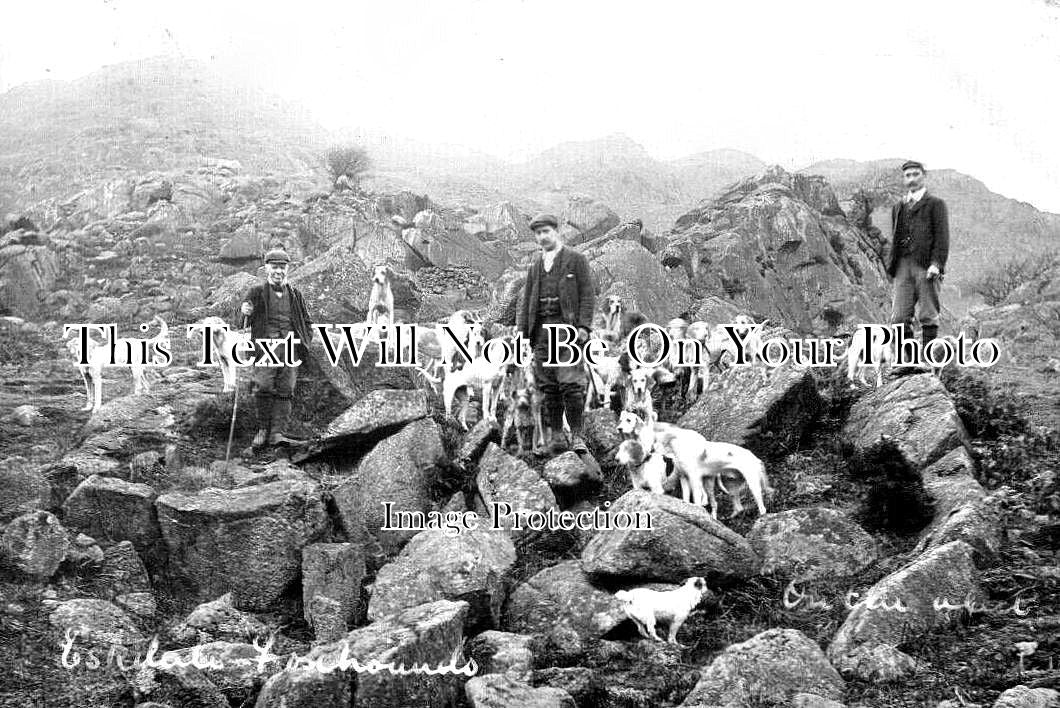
[
  {"x": 22, "y": 489},
  {"x": 502, "y": 652},
  {"x": 95, "y": 622},
  {"x": 35, "y": 543},
  {"x": 503, "y": 690},
  {"x": 122, "y": 572},
  {"x": 811, "y": 543},
  {"x": 218, "y": 620},
  {"x": 27, "y": 416},
  {"x": 368, "y": 420},
  {"x": 177, "y": 685},
  {"x": 429, "y": 634},
  {"x": 84, "y": 551},
  {"x": 1024, "y": 697},
  {"x": 684, "y": 541},
  {"x": 471, "y": 565},
  {"x": 771, "y": 666},
  {"x": 567, "y": 471}
]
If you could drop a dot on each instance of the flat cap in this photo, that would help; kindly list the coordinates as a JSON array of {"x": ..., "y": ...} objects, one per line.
[
  {"x": 277, "y": 255},
  {"x": 912, "y": 164},
  {"x": 544, "y": 220}
]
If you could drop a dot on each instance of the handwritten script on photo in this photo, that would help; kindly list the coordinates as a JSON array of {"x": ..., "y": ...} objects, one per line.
[{"x": 794, "y": 599}]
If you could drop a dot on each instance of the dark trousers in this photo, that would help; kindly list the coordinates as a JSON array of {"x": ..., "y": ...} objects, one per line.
[
  {"x": 912, "y": 291},
  {"x": 563, "y": 387},
  {"x": 274, "y": 389}
]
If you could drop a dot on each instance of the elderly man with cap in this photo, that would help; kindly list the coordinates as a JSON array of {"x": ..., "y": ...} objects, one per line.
[
  {"x": 921, "y": 244},
  {"x": 559, "y": 290},
  {"x": 275, "y": 308}
]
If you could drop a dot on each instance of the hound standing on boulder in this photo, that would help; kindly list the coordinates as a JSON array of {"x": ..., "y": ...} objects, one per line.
[{"x": 276, "y": 309}]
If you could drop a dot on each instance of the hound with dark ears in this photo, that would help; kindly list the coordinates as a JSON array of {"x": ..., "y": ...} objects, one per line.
[
  {"x": 381, "y": 299},
  {"x": 135, "y": 354},
  {"x": 647, "y": 607}
]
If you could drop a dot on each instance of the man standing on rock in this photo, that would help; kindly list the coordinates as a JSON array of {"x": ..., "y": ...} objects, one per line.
[
  {"x": 920, "y": 246},
  {"x": 275, "y": 309},
  {"x": 559, "y": 290}
]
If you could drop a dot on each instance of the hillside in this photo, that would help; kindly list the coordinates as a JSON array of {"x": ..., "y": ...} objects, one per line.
[
  {"x": 985, "y": 228},
  {"x": 156, "y": 114}
]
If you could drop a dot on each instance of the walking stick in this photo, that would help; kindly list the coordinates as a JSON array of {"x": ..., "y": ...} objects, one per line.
[{"x": 235, "y": 403}]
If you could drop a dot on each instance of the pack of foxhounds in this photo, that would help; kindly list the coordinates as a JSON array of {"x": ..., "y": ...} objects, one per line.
[{"x": 657, "y": 455}]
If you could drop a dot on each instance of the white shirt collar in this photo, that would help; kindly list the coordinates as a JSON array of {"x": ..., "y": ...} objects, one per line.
[
  {"x": 914, "y": 197},
  {"x": 550, "y": 256}
]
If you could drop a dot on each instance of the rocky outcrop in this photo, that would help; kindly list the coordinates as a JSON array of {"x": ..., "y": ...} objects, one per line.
[
  {"x": 245, "y": 541},
  {"x": 368, "y": 420},
  {"x": 684, "y": 541},
  {"x": 766, "y": 419},
  {"x": 27, "y": 274},
  {"x": 22, "y": 488},
  {"x": 779, "y": 246},
  {"x": 502, "y": 652},
  {"x": 916, "y": 412},
  {"x": 95, "y": 622},
  {"x": 627, "y": 269},
  {"x": 506, "y": 480},
  {"x": 771, "y": 666}
]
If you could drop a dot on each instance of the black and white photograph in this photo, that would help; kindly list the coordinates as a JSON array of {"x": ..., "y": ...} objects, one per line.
[{"x": 512, "y": 354}]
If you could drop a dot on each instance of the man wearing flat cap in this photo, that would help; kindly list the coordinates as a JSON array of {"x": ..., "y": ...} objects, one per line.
[
  {"x": 920, "y": 246},
  {"x": 275, "y": 308},
  {"x": 559, "y": 289}
]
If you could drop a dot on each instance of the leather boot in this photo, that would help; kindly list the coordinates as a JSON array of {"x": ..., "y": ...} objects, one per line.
[
  {"x": 557, "y": 441},
  {"x": 575, "y": 417},
  {"x": 281, "y": 411},
  {"x": 264, "y": 419}
]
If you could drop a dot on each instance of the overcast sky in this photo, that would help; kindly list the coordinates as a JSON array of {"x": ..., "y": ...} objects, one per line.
[{"x": 973, "y": 86}]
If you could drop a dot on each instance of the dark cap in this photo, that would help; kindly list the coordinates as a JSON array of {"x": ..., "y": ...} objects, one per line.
[
  {"x": 544, "y": 220},
  {"x": 277, "y": 255},
  {"x": 913, "y": 164}
]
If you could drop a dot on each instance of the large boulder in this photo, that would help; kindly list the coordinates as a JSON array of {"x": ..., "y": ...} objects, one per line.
[
  {"x": 336, "y": 284},
  {"x": 946, "y": 573},
  {"x": 767, "y": 419},
  {"x": 247, "y": 541},
  {"x": 915, "y": 411},
  {"x": 772, "y": 666},
  {"x": 561, "y": 603},
  {"x": 779, "y": 247},
  {"x": 428, "y": 635},
  {"x": 627, "y": 269},
  {"x": 962, "y": 509},
  {"x": 502, "y": 652},
  {"x": 470, "y": 565},
  {"x": 112, "y": 509},
  {"x": 35, "y": 543},
  {"x": 218, "y": 620},
  {"x": 1026, "y": 697},
  {"x": 683, "y": 541},
  {"x": 400, "y": 471},
  {"x": 588, "y": 219},
  {"x": 811, "y": 544}
]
